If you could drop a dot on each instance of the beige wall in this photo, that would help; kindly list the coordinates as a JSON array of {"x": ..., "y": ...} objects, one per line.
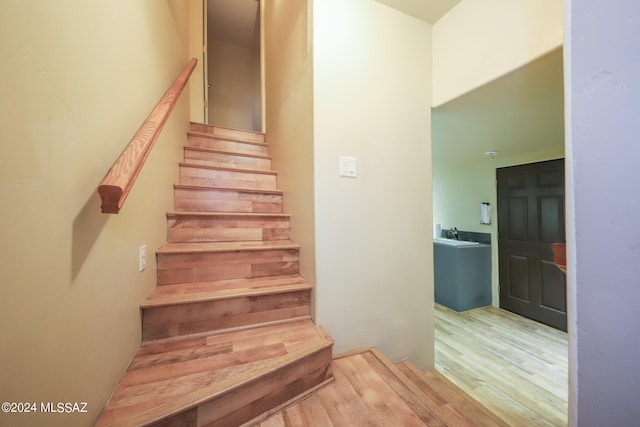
[
  {"x": 289, "y": 117},
  {"x": 196, "y": 38},
  {"x": 477, "y": 42},
  {"x": 234, "y": 92},
  {"x": 458, "y": 190},
  {"x": 374, "y": 260},
  {"x": 78, "y": 79}
]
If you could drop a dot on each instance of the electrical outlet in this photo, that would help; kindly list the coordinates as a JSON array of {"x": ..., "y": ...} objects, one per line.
[{"x": 142, "y": 258}]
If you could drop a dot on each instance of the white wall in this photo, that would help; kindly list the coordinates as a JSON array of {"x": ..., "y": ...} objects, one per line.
[
  {"x": 374, "y": 256},
  {"x": 78, "y": 79},
  {"x": 603, "y": 100},
  {"x": 479, "y": 41}
]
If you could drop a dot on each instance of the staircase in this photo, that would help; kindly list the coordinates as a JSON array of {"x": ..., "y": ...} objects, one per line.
[{"x": 227, "y": 333}]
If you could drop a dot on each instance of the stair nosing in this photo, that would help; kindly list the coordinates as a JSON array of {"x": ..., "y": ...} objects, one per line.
[
  {"x": 185, "y": 299},
  {"x": 228, "y": 169},
  {"x": 231, "y": 153},
  {"x": 228, "y": 214},
  {"x": 208, "y": 187},
  {"x": 226, "y": 138},
  {"x": 209, "y": 247}
]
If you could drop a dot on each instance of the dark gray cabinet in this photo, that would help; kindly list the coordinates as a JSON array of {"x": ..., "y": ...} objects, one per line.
[{"x": 462, "y": 276}]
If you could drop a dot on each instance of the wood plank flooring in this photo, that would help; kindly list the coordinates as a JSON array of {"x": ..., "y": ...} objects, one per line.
[
  {"x": 370, "y": 391},
  {"x": 455, "y": 406},
  {"x": 514, "y": 366}
]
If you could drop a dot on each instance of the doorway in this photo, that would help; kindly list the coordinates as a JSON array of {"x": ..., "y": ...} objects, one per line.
[
  {"x": 233, "y": 64},
  {"x": 531, "y": 217}
]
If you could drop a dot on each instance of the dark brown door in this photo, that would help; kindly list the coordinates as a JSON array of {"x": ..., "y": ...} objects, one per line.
[{"x": 530, "y": 219}]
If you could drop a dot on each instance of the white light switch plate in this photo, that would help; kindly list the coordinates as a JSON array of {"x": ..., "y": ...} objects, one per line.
[
  {"x": 348, "y": 167},
  {"x": 142, "y": 258}
]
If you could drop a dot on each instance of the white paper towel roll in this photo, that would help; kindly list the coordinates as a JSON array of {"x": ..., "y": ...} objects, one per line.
[
  {"x": 437, "y": 230},
  {"x": 485, "y": 213}
]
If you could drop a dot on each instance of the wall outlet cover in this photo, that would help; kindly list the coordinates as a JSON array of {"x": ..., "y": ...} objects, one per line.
[{"x": 348, "y": 167}]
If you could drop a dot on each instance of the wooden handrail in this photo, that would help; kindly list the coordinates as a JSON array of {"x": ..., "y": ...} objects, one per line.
[{"x": 116, "y": 185}]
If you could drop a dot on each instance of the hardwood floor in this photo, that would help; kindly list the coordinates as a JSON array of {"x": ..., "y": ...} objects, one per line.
[
  {"x": 369, "y": 390},
  {"x": 514, "y": 366}
]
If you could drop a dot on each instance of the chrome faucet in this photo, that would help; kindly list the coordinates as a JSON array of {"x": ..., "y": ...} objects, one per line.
[{"x": 453, "y": 232}]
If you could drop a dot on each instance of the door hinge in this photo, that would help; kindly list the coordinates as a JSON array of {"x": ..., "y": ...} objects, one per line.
[
  {"x": 204, "y": 49},
  {"x": 205, "y": 103}
]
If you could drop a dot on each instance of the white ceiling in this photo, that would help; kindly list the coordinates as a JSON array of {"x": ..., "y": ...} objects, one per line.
[
  {"x": 520, "y": 114},
  {"x": 426, "y": 10}
]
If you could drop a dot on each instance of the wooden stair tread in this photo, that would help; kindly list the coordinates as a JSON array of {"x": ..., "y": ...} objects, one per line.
[
  {"x": 225, "y": 138},
  {"x": 230, "y": 153},
  {"x": 223, "y": 168},
  {"x": 217, "y": 197},
  {"x": 235, "y": 215},
  {"x": 168, "y": 379},
  {"x": 200, "y": 335},
  {"x": 245, "y": 190},
  {"x": 207, "y": 247},
  {"x": 185, "y": 293}
]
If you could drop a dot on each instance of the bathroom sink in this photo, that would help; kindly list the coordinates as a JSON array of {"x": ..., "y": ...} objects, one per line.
[{"x": 451, "y": 242}]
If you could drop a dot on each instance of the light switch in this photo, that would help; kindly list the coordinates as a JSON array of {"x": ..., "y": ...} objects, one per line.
[
  {"x": 142, "y": 258},
  {"x": 348, "y": 166}
]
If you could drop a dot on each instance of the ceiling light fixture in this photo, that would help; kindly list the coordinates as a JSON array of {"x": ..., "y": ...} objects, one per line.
[{"x": 491, "y": 154}]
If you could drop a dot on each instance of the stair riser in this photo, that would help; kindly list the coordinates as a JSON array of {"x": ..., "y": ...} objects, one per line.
[
  {"x": 206, "y": 229},
  {"x": 209, "y": 200},
  {"x": 228, "y": 133},
  {"x": 226, "y": 160},
  {"x": 226, "y": 145},
  {"x": 200, "y": 267},
  {"x": 188, "y": 319},
  {"x": 256, "y": 397},
  {"x": 224, "y": 178}
]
